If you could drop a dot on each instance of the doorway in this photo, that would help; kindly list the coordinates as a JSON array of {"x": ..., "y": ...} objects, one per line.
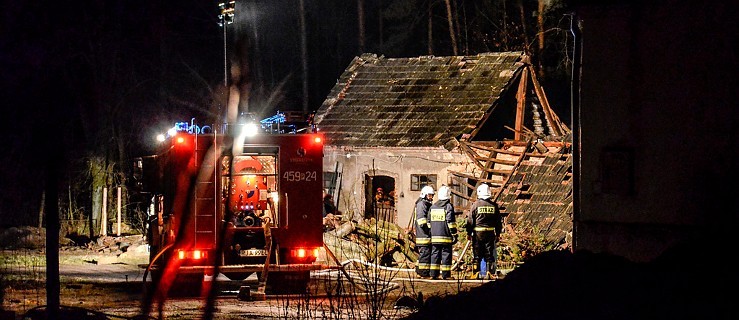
[{"x": 380, "y": 197}]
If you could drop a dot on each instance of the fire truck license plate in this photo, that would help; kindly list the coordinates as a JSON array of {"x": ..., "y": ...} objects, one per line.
[{"x": 253, "y": 252}]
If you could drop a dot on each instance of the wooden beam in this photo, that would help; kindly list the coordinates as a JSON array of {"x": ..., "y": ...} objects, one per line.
[
  {"x": 496, "y": 160},
  {"x": 463, "y": 196},
  {"x": 520, "y": 104},
  {"x": 484, "y": 174},
  {"x": 462, "y": 174},
  {"x": 470, "y": 153},
  {"x": 518, "y": 163},
  {"x": 496, "y": 150},
  {"x": 499, "y": 172},
  {"x": 511, "y": 143}
]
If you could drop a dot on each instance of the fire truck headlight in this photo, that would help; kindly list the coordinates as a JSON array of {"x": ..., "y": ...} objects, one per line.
[
  {"x": 161, "y": 138},
  {"x": 250, "y": 129}
]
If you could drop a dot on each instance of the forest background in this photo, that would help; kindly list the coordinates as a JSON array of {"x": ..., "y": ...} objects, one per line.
[{"x": 87, "y": 85}]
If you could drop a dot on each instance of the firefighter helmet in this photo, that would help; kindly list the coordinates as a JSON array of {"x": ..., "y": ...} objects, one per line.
[
  {"x": 444, "y": 193},
  {"x": 483, "y": 191},
  {"x": 426, "y": 191}
]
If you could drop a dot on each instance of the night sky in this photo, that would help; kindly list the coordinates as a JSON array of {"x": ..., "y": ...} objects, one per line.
[{"x": 89, "y": 79}]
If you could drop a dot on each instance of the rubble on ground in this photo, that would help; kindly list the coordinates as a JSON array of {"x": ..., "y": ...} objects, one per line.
[
  {"x": 371, "y": 240},
  {"x": 116, "y": 247}
]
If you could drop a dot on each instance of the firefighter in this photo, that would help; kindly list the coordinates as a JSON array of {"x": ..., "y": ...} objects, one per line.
[
  {"x": 484, "y": 225},
  {"x": 423, "y": 236},
  {"x": 443, "y": 234}
]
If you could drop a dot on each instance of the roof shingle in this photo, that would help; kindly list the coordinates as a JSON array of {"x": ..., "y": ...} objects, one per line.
[{"x": 414, "y": 102}]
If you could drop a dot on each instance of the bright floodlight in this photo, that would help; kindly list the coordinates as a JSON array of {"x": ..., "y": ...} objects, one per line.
[
  {"x": 250, "y": 129},
  {"x": 160, "y": 138}
]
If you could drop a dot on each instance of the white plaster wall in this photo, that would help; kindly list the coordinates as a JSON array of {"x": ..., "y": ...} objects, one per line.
[{"x": 398, "y": 163}]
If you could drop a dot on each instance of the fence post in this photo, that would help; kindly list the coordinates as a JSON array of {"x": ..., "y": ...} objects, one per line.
[
  {"x": 104, "y": 218},
  {"x": 119, "y": 212}
]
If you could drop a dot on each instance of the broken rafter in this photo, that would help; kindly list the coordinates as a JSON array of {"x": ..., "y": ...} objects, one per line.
[
  {"x": 461, "y": 195},
  {"x": 528, "y": 132},
  {"x": 470, "y": 153},
  {"x": 496, "y": 150},
  {"x": 512, "y": 143},
  {"x": 462, "y": 174},
  {"x": 518, "y": 163},
  {"x": 496, "y": 160},
  {"x": 499, "y": 172},
  {"x": 521, "y": 103}
]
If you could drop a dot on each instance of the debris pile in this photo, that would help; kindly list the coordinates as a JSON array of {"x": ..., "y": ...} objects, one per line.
[
  {"x": 371, "y": 240},
  {"x": 112, "y": 245}
]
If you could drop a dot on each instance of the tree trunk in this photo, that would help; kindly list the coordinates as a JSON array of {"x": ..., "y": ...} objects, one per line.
[
  {"x": 505, "y": 28},
  {"x": 450, "y": 21},
  {"x": 41, "y": 210},
  {"x": 540, "y": 24},
  {"x": 360, "y": 21},
  {"x": 51, "y": 202},
  {"x": 304, "y": 55},
  {"x": 430, "y": 33},
  {"x": 522, "y": 12},
  {"x": 98, "y": 174},
  {"x": 380, "y": 23}
]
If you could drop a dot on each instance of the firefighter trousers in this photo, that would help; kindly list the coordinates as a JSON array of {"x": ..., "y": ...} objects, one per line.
[
  {"x": 423, "y": 266},
  {"x": 441, "y": 260},
  {"x": 484, "y": 248}
]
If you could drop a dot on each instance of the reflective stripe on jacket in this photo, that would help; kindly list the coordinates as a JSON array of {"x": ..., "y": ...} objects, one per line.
[
  {"x": 423, "y": 237},
  {"x": 484, "y": 216},
  {"x": 443, "y": 222}
]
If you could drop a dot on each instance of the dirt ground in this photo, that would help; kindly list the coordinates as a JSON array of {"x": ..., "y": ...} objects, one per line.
[
  {"x": 100, "y": 283},
  {"x": 104, "y": 284}
]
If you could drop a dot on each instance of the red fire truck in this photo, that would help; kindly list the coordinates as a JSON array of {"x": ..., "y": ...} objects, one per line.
[{"x": 235, "y": 204}]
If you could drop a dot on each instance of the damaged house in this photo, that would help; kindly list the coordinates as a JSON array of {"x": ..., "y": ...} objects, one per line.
[{"x": 398, "y": 124}]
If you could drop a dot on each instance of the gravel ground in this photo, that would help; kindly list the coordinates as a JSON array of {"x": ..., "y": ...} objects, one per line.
[{"x": 110, "y": 284}]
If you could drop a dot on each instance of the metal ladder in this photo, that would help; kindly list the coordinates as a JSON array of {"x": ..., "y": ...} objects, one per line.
[{"x": 205, "y": 194}]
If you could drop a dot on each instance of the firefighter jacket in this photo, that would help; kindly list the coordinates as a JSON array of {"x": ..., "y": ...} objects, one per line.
[
  {"x": 484, "y": 216},
  {"x": 421, "y": 212},
  {"x": 443, "y": 222}
]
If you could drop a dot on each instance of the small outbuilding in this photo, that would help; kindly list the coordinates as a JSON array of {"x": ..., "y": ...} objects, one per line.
[{"x": 398, "y": 124}]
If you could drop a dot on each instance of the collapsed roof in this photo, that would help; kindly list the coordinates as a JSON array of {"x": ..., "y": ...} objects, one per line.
[{"x": 422, "y": 101}]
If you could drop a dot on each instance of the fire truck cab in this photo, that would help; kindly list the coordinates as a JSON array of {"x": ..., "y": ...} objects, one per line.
[{"x": 235, "y": 204}]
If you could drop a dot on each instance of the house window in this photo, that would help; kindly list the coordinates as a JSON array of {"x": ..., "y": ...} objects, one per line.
[{"x": 418, "y": 181}]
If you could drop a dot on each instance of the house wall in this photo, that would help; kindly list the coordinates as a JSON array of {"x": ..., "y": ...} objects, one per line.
[
  {"x": 657, "y": 127},
  {"x": 398, "y": 163}
]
